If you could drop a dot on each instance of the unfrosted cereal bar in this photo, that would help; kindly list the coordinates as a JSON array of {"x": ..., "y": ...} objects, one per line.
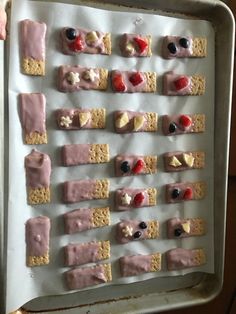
[
  {"x": 183, "y": 123},
  {"x": 183, "y": 228},
  {"x": 80, "y": 119},
  {"x": 33, "y": 116},
  {"x": 127, "y": 121},
  {"x": 133, "y": 81},
  {"x": 77, "y": 40},
  {"x": 135, "y": 45},
  {"x": 76, "y": 78},
  {"x": 38, "y": 172},
  {"x": 37, "y": 241},
  {"x": 128, "y": 198},
  {"x": 138, "y": 264},
  {"x": 185, "y": 258},
  {"x": 80, "y": 278},
  {"x": 128, "y": 165},
  {"x": 183, "y": 85},
  {"x": 185, "y": 191},
  {"x": 179, "y": 161},
  {"x": 32, "y": 46},
  {"x": 78, "y": 154},
  {"x": 86, "y": 218},
  {"x": 133, "y": 230},
  {"x": 184, "y": 47},
  {"x": 81, "y": 190}
]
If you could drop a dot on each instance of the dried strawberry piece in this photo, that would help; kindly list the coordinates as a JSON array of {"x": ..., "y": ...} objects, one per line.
[
  {"x": 136, "y": 78},
  {"x": 138, "y": 167},
  {"x": 181, "y": 82},
  {"x": 118, "y": 83},
  {"x": 188, "y": 194},
  {"x": 77, "y": 44},
  {"x": 142, "y": 44},
  {"x": 185, "y": 121},
  {"x": 138, "y": 199}
]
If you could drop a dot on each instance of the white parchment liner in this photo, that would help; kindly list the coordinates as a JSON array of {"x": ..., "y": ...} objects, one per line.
[{"x": 48, "y": 280}]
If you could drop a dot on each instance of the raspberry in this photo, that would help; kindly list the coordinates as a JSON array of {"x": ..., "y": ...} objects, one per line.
[
  {"x": 138, "y": 166},
  {"x": 185, "y": 121},
  {"x": 118, "y": 83},
  {"x": 77, "y": 44},
  {"x": 136, "y": 78},
  {"x": 138, "y": 199},
  {"x": 142, "y": 44},
  {"x": 188, "y": 194},
  {"x": 181, "y": 82}
]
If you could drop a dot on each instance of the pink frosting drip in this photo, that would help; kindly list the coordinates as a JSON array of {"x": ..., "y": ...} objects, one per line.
[
  {"x": 79, "y": 254},
  {"x": 181, "y": 186},
  {"x": 135, "y": 265},
  {"x": 181, "y": 51},
  {"x": 132, "y": 193},
  {"x": 130, "y": 88},
  {"x": 73, "y": 114},
  {"x": 78, "y": 220},
  {"x": 132, "y": 160},
  {"x": 75, "y": 154},
  {"x": 133, "y": 225},
  {"x": 129, "y": 127},
  {"x": 169, "y": 88},
  {"x": 76, "y": 191},
  {"x": 180, "y": 258}
]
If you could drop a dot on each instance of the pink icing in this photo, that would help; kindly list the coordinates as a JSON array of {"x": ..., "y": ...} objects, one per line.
[
  {"x": 65, "y": 86},
  {"x": 180, "y": 258},
  {"x": 179, "y": 155},
  {"x": 134, "y": 225},
  {"x": 181, "y": 51},
  {"x": 132, "y": 193},
  {"x": 78, "y": 220},
  {"x": 38, "y": 169},
  {"x": 37, "y": 235},
  {"x": 181, "y": 186},
  {"x": 76, "y": 191},
  {"x": 132, "y": 160},
  {"x": 169, "y": 88},
  {"x": 175, "y": 223},
  {"x": 73, "y": 114},
  {"x": 32, "y": 112},
  {"x": 79, "y": 254},
  {"x": 75, "y": 154},
  {"x": 166, "y": 120},
  {"x": 130, "y": 88},
  {"x": 135, "y": 265},
  {"x": 33, "y": 39},
  {"x": 129, "y": 127},
  {"x": 129, "y": 38},
  {"x": 3, "y": 22},
  {"x": 84, "y": 277}
]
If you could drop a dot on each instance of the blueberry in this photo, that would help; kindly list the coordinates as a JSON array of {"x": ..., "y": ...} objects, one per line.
[
  {"x": 184, "y": 42},
  {"x": 172, "y": 127},
  {"x": 125, "y": 167},
  {"x": 71, "y": 33},
  {"x": 137, "y": 234},
  {"x": 143, "y": 225},
  {"x": 175, "y": 193},
  {"x": 172, "y": 48},
  {"x": 178, "y": 232}
]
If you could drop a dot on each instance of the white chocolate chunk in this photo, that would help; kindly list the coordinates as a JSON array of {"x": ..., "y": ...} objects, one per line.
[
  {"x": 186, "y": 227},
  {"x": 84, "y": 118},
  {"x": 90, "y": 75},
  {"x": 174, "y": 162},
  {"x": 188, "y": 159},
  {"x": 73, "y": 78},
  {"x": 91, "y": 38},
  {"x": 125, "y": 199},
  {"x": 127, "y": 231},
  {"x": 138, "y": 122},
  {"x": 129, "y": 48},
  {"x": 122, "y": 120}
]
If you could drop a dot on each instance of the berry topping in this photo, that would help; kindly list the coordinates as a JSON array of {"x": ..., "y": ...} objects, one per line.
[
  {"x": 137, "y": 234},
  {"x": 71, "y": 33},
  {"x": 118, "y": 83},
  {"x": 184, "y": 42},
  {"x": 172, "y": 48},
  {"x": 143, "y": 225},
  {"x": 185, "y": 121},
  {"x": 125, "y": 167},
  {"x": 172, "y": 127},
  {"x": 77, "y": 44},
  {"x": 188, "y": 194},
  {"x": 138, "y": 199},
  {"x": 175, "y": 193},
  {"x": 181, "y": 82},
  {"x": 142, "y": 44},
  {"x": 136, "y": 78},
  {"x": 178, "y": 232},
  {"x": 138, "y": 167}
]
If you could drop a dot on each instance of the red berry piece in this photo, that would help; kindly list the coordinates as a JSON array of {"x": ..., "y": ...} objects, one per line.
[
  {"x": 118, "y": 83},
  {"x": 138, "y": 167},
  {"x": 138, "y": 199},
  {"x": 77, "y": 44},
  {"x": 188, "y": 194},
  {"x": 185, "y": 121},
  {"x": 142, "y": 44},
  {"x": 136, "y": 78},
  {"x": 181, "y": 82}
]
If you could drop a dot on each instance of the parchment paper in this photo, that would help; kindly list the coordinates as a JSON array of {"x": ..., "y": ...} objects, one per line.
[{"x": 23, "y": 283}]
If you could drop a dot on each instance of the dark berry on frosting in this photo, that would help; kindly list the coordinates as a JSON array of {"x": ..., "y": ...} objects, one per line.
[
  {"x": 125, "y": 167},
  {"x": 172, "y": 127},
  {"x": 71, "y": 33},
  {"x": 172, "y": 48},
  {"x": 137, "y": 234},
  {"x": 184, "y": 42},
  {"x": 143, "y": 225},
  {"x": 178, "y": 232},
  {"x": 175, "y": 193}
]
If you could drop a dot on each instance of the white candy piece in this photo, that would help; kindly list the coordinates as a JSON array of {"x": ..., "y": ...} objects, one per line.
[
  {"x": 175, "y": 162},
  {"x": 73, "y": 78}
]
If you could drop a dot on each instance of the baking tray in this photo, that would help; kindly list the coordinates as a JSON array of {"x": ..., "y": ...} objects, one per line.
[{"x": 181, "y": 291}]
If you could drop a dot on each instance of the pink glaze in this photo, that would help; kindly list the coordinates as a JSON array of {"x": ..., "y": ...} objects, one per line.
[
  {"x": 38, "y": 169},
  {"x": 132, "y": 160},
  {"x": 76, "y": 154},
  {"x": 180, "y": 129},
  {"x": 130, "y": 88},
  {"x": 129, "y": 39},
  {"x": 180, "y": 258},
  {"x": 76, "y": 191},
  {"x": 179, "y": 155},
  {"x": 169, "y": 88},
  {"x": 131, "y": 193},
  {"x": 79, "y": 254},
  {"x": 73, "y": 114},
  {"x": 80, "y": 278},
  {"x": 3, "y": 22},
  {"x": 78, "y": 220},
  {"x": 32, "y": 112},
  {"x": 65, "y": 86},
  {"x": 181, "y": 186},
  {"x": 32, "y": 39},
  {"x": 37, "y": 235},
  {"x": 181, "y": 51},
  {"x": 129, "y": 127},
  {"x": 135, "y": 265},
  {"x": 133, "y": 226}
]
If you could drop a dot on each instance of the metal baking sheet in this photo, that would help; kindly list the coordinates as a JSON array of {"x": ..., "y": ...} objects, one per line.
[{"x": 128, "y": 298}]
